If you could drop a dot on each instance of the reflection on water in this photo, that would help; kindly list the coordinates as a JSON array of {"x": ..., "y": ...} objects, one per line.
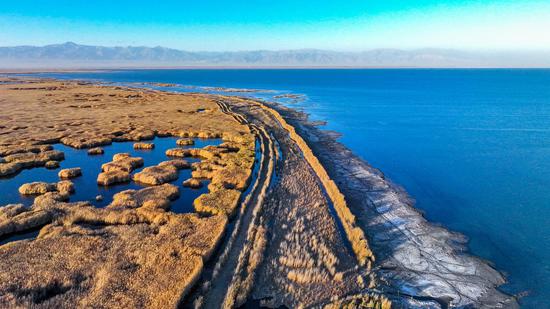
[{"x": 86, "y": 187}]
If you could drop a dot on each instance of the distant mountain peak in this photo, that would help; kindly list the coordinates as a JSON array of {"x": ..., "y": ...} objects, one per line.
[{"x": 71, "y": 54}]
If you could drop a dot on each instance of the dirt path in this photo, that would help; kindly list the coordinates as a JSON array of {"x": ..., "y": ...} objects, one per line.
[
  {"x": 305, "y": 260},
  {"x": 223, "y": 286}
]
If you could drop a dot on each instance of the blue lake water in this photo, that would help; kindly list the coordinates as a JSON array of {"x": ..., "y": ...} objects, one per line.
[
  {"x": 472, "y": 147},
  {"x": 86, "y": 188}
]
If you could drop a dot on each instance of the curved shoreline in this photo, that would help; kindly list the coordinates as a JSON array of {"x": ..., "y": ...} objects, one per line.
[
  {"x": 448, "y": 281},
  {"x": 418, "y": 263}
]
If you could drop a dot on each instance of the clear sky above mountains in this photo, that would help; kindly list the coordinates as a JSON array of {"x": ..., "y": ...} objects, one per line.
[{"x": 246, "y": 25}]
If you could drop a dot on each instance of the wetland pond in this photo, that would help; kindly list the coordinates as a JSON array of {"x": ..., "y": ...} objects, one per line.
[{"x": 86, "y": 187}]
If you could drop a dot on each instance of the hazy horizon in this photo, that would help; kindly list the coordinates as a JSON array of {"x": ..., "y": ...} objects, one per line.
[
  {"x": 71, "y": 55},
  {"x": 469, "y": 50}
]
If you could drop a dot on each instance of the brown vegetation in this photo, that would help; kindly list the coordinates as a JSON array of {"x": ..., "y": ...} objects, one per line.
[
  {"x": 69, "y": 173},
  {"x": 122, "y": 162},
  {"x": 95, "y": 151},
  {"x": 13, "y": 149},
  {"x": 130, "y": 254},
  {"x": 17, "y": 161},
  {"x": 192, "y": 183},
  {"x": 221, "y": 201},
  {"x": 162, "y": 173},
  {"x": 112, "y": 177},
  {"x": 185, "y": 142},
  {"x": 152, "y": 198},
  {"x": 354, "y": 233},
  {"x": 51, "y": 165},
  {"x": 134, "y": 253},
  {"x": 87, "y": 115},
  {"x": 228, "y": 166},
  {"x": 156, "y": 175},
  {"x": 177, "y": 163},
  {"x": 144, "y": 146},
  {"x": 37, "y": 188}
]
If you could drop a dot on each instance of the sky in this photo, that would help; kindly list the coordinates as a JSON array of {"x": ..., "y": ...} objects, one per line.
[{"x": 278, "y": 25}]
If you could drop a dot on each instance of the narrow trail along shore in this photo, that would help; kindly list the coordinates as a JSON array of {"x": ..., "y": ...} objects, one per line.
[
  {"x": 222, "y": 287},
  {"x": 291, "y": 217},
  {"x": 285, "y": 240}
]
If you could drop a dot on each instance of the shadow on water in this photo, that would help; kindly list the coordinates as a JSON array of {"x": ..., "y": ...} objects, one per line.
[
  {"x": 29, "y": 234},
  {"x": 86, "y": 188}
]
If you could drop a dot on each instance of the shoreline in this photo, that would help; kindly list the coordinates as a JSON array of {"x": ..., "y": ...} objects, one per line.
[
  {"x": 399, "y": 235},
  {"x": 31, "y": 71},
  {"x": 394, "y": 265}
]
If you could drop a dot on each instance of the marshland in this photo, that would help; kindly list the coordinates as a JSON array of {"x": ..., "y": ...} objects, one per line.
[{"x": 202, "y": 200}]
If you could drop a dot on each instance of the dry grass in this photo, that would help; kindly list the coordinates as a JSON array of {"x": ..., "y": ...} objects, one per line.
[
  {"x": 95, "y": 151},
  {"x": 131, "y": 254},
  {"x": 178, "y": 163},
  {"x": 86, "y": 116},
  {"x": 164, "y": 172},
  {"x": 354, "y": 233},
  {"x": 122, "y": 162},
  {"x": 374, "y": 301},
  {"x": 192, "y": 183},
  {"x": 15, "y": 162},
  {"x": 69, "y": 173},
  {"x": 185, "y": 142},
  {"x": 38, "y": 188},
  {"x": 158, "y": 197},
  {"x": 144, "y": 146},
  {"x": 221, "y": 201},
  {"x": 227, "y": 166},
  {"x": 156, "y": 175},
  {"x": 112, "y": 177},
  {"x": 118, "y": 170},
  {"x": 13, "y": 149}
]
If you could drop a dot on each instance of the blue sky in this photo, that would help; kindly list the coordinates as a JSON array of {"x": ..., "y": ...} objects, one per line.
[{"x": 283, "y": 24}]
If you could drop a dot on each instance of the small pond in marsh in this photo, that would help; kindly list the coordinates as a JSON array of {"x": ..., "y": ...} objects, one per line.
[{"x": 86, "y": 188}]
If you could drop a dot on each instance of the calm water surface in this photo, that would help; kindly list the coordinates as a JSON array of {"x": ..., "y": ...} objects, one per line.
[
  {"x": 86, "y": 188},
  {"x": 471, "y": 146}
]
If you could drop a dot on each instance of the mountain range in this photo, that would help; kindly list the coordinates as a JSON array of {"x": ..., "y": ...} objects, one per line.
[{"x": 72, "y": 55}]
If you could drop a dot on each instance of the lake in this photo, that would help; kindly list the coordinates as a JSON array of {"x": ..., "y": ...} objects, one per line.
[{"x": 472, "y": 147}]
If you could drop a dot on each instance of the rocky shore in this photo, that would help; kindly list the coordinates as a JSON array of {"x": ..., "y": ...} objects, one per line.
[{"x": 419, "y": 264}]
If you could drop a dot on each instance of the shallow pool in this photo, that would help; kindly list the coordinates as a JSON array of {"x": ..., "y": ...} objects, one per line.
[{"x": 86, "y": 188}]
